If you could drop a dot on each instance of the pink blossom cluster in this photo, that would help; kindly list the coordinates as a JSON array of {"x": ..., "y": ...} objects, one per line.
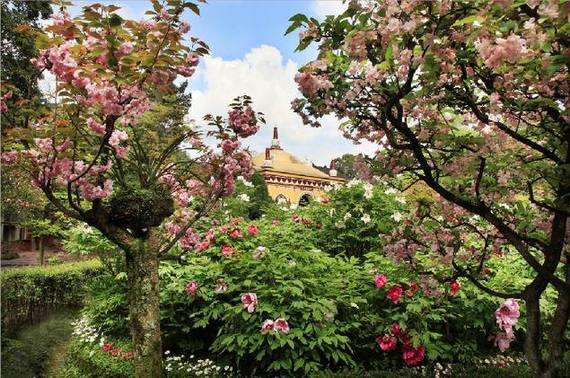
[
  {"x": 249, "y": 302},
  {"x": 411, "y": 355},
  {"x": 310, "y": 84},
  {"x": 6, "y": 96},
  {"x": 507, "y": 315},
  {"x": 510, "y": 49},
  {"x": 277, "y": 325},
  {"x": 243, "y": 121}
]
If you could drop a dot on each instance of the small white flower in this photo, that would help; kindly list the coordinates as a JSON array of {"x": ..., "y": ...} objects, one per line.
[
  {"x": 368, "y": 188},
  {"x": 401, "y": 200},
  {"x": 365, "y": 218},
  {"x": 167, "y": 352},
  {"x": 244, "y": 197},
  {"x": 347, "y": 216},
  {"x": 476, "y": 23},
  {"x": 352, "y": 304},
  {"x": 391, "y": 191},
  {"x": 397, "y": 216}
]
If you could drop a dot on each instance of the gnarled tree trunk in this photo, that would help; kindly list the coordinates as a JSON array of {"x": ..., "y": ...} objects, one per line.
[{"x": 144, "y": 302}]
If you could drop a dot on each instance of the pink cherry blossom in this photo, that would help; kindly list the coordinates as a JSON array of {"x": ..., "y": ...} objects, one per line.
[
  {"x": 125, "y": 49},
  {"x": 117, "y": 137},
  {"x": 380, "y": 280},
  {"x": 243, "y": 121},
  {"x": 249, "y": 301},
  {"x": 95, "y": 126}
]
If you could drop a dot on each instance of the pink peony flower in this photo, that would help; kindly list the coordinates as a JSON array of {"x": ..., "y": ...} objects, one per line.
[
  {"x": 191, "y": 288},
  {"x": 455, "y": 286},
  {"x": 507, "y": 315},
  {"x": 267, "y": 326},
  {"x": 281, "y": 325},
  {"x": 413, "y": 356},
  {"x": 249, "y": 301},
  {"x": 380, "y": 280},
  {"x": 252, "y": 230},
  {"x": 394, "y": 293},
  {"x": 236, "y": 233},
  {"x": 227, "y": 250},
  {"x": 387, "y": 342},
  {"x": 503, "y": 341}
]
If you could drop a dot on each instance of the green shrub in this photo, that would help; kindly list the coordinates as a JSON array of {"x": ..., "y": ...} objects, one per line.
[
  {"x": 28, "y": 353},
  {"x": 330, "y": 302},
  {"x": 29, "y": 293}
]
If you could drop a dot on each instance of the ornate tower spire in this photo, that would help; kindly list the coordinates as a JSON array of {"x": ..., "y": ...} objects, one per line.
[
  {"x": 332, "y": 171},
  {"x": 275, "y": 140}
]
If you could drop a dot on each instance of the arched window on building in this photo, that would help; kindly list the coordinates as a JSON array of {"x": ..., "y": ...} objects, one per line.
[{"x": 305, "y": 199}]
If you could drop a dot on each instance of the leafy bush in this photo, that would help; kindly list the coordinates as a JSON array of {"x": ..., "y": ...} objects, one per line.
[
  {"x": 28, "y": 294},
  {"x": 355, "y": 218},
  {"x": 28, "y": 354},
  {"x": 331, "y": 304}
]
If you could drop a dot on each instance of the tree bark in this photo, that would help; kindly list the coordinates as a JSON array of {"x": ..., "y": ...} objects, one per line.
[
  {"x": 41, "y": 249},
  {"x": 144, "y": 302}
]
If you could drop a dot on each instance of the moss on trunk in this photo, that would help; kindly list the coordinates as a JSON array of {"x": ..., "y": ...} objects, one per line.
[{"x": 144, "y": 300}]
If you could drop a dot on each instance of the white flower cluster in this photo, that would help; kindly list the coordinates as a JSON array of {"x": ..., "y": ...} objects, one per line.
[
  {"x": 245, "y": 182},
  {"x": 179, "y": 365},
  {"x": 85, "y": 332},
  {"x": 244, "y": 197}
]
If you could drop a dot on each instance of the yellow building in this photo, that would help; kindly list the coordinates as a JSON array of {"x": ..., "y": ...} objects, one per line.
[{"x": 291, "y": 180}]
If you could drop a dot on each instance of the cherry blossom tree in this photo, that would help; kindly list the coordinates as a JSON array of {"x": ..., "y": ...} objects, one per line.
[
  {"x": 143, "y": 190},
  {"x": 470, "y": 98}
]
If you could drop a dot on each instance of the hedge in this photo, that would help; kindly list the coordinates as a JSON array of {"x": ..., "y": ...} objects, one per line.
[{"x": 30, "y": 293}]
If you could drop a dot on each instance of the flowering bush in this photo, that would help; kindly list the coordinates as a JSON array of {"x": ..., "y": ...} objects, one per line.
[
  {"x": 354, "y": 216},
  {"x": 276, "y": 302}
]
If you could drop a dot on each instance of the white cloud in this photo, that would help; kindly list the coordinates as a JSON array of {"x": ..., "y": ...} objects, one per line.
[
  {"x": 264, "y": 76},
  {"x": 324, "y": 8}
]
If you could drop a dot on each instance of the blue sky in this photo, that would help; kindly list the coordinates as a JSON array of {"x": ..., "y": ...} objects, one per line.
[{"x": 251, "y": 54}]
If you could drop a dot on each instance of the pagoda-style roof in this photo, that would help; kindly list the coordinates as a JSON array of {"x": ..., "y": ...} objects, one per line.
[{"x": 283, "y": 163}]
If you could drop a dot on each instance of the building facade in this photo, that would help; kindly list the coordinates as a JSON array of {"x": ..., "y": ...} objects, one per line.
[{"x": 289, "y": 179}]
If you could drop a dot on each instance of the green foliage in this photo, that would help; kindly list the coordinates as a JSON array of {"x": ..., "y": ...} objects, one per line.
[
  {"x": 89, "y": 362},
  {"x": 30, "y": 293},
  {"x": 355, "y": 218},
  {"x": 28, "y": 354},
  {"x": 251, "y": 200}
]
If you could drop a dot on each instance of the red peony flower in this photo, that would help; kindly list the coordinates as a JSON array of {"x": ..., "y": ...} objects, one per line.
[
  {"x": 455, "y": 286},
  {"x": 252, "y": 230},
  {"x": 387, "y": 342},
  {"x": 396, "y": 330},
  {"x": 394, "y": 294},
  {"x": 107, "y": 347},
  {"x": 413, "y": 356},
  {"x": 414, "y": 287}
]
